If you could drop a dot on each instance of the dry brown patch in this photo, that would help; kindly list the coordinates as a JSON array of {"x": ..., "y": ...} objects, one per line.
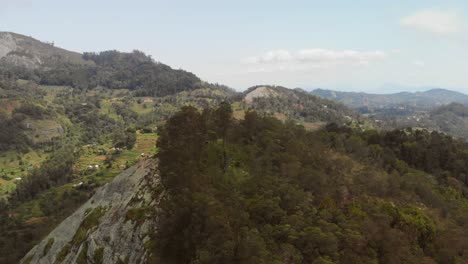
[
  {"x": 101, "y": 157},
  {"x": 313, "y": 125},
  {"x": 35, "y": 220},
  {"x": 9, "y": 106},
  {"x": 281, "y": 116}
]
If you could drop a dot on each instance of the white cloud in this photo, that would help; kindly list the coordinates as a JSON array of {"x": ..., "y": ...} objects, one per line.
[
  {"x": 322, "y": 55},
  {"x": 271, "y": 57},
  {"x": 434, "y": 21},
  {"x": 419, "y": 63},
  {"x": 306, "y": 59}
]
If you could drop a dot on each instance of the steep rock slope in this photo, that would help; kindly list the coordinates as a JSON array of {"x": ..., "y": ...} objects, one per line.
[
  {"x": 259, "y": 92},
  {"x": 112, "y": 226},
  {"x": 18, "y": 50}
]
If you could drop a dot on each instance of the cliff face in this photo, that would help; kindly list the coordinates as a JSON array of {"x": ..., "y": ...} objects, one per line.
[{"x": 114, "y": 225}]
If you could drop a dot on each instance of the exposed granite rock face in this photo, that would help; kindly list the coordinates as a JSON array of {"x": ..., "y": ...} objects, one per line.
[
  {"x": 115, "y": 224},
  {"x": 259, "y": 92},
  {"x": 7, "y": 44},
  {"x": 21, "y": 51}
]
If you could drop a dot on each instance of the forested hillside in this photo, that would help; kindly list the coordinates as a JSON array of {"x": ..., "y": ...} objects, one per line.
[
  {"x": 114, "y": 70},
  {"x": 426, "y": 99},
  {"x": 23, "y": 57},
  {"x": 435, "y": 110},
  {"x": 263, "y": 191},
  {"x": 298, "y": 105},
  {"x": 451, "y": 119}
]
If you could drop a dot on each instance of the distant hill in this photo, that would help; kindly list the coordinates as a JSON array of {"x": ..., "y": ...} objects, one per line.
[
  {"x": 22, "y": 51},
  {"x": 451, "y": 119},
  {"x": 436, "y": 109},
  {"x": 297, "y": 104},
  {"x": 427, "y": 99},
  {"x": 23, "y": 57}
]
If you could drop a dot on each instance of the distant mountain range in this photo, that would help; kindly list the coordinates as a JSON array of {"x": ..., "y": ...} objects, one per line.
[
  {"x": 435, "y": 109},
  {"x": 451, "y": 119},
  {"x": 427, "y": 99}
]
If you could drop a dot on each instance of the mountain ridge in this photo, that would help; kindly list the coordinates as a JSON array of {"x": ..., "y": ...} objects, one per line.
[{"x": 429, "y": 98}]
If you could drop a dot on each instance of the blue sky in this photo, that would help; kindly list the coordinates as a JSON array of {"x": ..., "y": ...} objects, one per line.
[{"x": 378, "y": 46}]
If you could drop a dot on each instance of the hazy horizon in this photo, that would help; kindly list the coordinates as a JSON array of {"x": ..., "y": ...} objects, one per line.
[{"x": 360, "y": 46}]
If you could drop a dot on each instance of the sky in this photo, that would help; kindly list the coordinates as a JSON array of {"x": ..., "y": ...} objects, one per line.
[{"x": 372, "y": 46}]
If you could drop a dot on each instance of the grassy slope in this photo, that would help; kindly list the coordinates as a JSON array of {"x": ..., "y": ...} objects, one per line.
[
  {"x": 16, "y": 165},
  {"x": 146, "y": 143}
]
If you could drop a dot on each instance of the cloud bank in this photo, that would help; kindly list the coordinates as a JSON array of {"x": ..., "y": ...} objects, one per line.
[
  {"x": 304, "y": 59},
  {"x": 434, "y": 21}
]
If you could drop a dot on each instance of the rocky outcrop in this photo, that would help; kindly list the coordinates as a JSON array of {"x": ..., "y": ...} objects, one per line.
[
  {"x": 259, "y": 92},
  {"x": 115, "y": 225},
  {"x": 21, "y": 51}
]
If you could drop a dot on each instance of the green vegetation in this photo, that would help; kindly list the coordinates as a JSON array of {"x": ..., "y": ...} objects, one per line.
[
  {"x": 91, "y": 221},
  {"x": 120, "y": 261},
  {"x": 83, "y": 257},
  {"x": 62, "y": 254},
  {"x": 296, "y": 104},
  {"x": 242, "y": 186},
  {"x": 262, "y": 191},
  {"x": 136, "y": 214},
  {"x": 28, "y": 260},
  {"x": 98, "y": 255},
  {"x": 57, "y": 135},
  {"x": 114, "y": 70},
  {"x": 47, "y": 247},
  {"x": 367, "y": 102},
  {"x": 435, "y": 110}
]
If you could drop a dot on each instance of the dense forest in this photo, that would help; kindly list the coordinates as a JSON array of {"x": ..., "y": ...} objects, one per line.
[
  {"x": 263, "y": 191},
  {"x": 114, "y": 70}
]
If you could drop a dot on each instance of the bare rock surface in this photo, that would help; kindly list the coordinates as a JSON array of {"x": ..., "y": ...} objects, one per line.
[
  {"x": 22, "y": 51},
  {"x": 262, "y": 91},
  {"x": 114, "y": 225}
]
